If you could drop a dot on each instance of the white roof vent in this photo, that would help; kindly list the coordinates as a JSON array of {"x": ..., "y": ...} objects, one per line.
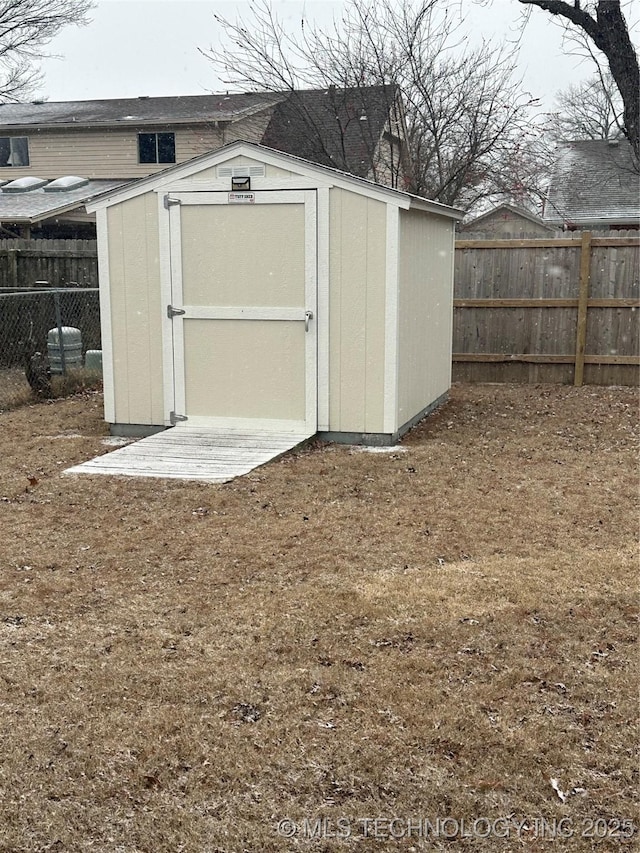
[
  {"x": 243, "y": 170},
  {"x": 24, "y": 185},
  {"x": 69, "y": 182}
]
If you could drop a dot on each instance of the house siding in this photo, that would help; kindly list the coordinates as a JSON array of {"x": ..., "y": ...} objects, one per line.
[{"x": 113, "y": 152}]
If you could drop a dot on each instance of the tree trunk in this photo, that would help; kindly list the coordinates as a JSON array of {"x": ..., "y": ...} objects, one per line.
[
  {"x": 615, "y": 43},
  {"x": 609, "y": 32}
]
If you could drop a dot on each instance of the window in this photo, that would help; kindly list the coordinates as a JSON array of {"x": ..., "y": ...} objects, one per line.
[
  {"x": 156, "y": 148},
  {"x": 14, "y": 151}
]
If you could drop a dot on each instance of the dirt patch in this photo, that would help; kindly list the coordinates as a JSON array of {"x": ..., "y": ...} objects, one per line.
[{"x": 443, "y": 634}]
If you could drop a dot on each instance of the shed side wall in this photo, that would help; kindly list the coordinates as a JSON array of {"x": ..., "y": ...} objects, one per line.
[
  {"x": 136, "y": 311},
  {"x": 425, "y": 311},
  {"x": 357, "y": 234}
]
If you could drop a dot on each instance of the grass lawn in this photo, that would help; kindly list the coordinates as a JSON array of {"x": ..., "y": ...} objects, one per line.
[{"x": 444, "y": 635}]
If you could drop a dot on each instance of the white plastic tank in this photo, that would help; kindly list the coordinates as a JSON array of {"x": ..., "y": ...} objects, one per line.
[
  {"x": 71, "y": 345},
  {"x": 93, "y": 361}
]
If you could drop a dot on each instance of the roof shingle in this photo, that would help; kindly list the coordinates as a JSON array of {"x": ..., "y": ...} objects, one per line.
[{"x": 594, "y": 182}]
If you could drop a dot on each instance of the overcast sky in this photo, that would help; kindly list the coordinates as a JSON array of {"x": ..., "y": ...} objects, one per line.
[{"x": 150, "y": 47}]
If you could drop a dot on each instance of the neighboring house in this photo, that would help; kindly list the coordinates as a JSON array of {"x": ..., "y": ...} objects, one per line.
[
  {"x": 509, "y": 220},
  {"x": 360, "y": 131},
  {"x": 594, "y": 185}
]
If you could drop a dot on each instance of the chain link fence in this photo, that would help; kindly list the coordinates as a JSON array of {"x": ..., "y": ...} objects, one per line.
[{"x": 49, "y": 341}]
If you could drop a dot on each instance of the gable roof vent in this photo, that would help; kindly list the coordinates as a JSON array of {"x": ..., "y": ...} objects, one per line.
[
  {"x": 24, "y": 185},
  {"x": 243, "y": 170},
  {"x": 69, "y": 182}
]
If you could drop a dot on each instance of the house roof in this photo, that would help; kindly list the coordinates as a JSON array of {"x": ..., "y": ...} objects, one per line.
[
  {"x": 593, "y": 182},
  {"x": 340, "y": 128},
  {"x": 333, "y": 127},
  {"x": 510, "y": 208},
  {"x": 37, "y": 204},
  {"x": 136, "y": 111},
  {"x": 326, "y": 175}
]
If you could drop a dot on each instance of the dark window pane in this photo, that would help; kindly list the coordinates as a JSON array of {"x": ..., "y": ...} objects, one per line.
[
  {"x": 147, "y": 148},
  {"x": 5, "y": 151},
  {"x": 19, "y": 151},
  {"x": 166, "y": 148}
]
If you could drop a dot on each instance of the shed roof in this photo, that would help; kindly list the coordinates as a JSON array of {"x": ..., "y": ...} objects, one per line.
[
  {"x": 36, "y": 205},
  {"x": 329, "y": 175},
  {"x": 594, "y": 182}
]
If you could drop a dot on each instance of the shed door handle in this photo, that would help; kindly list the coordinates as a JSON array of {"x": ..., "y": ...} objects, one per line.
[{"x": 308, "y": 315}]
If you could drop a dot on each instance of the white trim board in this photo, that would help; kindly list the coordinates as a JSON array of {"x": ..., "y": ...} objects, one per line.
[
  {"x": 391, "y": 330},
  {"x": 249, "y": 312},
  {"x": 168, "y": 405},
  {"x": 106, "y": 327},
  {"x": 323, "y": 214},
  {"x": 176, "y": 328}
]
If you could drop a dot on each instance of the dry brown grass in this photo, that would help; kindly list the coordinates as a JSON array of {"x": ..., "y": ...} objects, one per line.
[
  {"x": 423, "y": 634},
  {"x": 16, "y": 392}
]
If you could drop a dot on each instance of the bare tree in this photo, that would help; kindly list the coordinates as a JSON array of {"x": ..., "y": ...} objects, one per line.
[
  {"x": 467, "y": 122},
  {"x": 588, "y": 110},
  {"x": 26, "y": 27},
  {"x": 604, "y": 24}
]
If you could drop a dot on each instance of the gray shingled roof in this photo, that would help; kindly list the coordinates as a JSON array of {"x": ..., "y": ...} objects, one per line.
[
  {"x": 36, "y": 205},
  {"x": 593, "y": 182},
  {"x": 332, "y": 127},
  {"x": 142, "y": 110}
]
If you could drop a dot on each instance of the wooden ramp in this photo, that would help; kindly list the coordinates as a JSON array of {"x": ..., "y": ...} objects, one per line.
[{"x": 189, "y": 453}]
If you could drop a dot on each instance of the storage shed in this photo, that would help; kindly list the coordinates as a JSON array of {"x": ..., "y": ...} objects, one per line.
[{"x": 250, "y": 289}]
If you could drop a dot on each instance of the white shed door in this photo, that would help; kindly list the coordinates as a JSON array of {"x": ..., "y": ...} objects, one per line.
[{"x": 243, "y": 279}]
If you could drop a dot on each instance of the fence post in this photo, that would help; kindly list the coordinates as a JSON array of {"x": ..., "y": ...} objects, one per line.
[{"x": 583, "y": 297}]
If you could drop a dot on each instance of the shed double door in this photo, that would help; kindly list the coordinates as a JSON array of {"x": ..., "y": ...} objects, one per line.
[{"x": 243, "y": 306}]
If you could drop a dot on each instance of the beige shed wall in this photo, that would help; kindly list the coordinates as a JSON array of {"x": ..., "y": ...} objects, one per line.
[
  {"x": 425, "y": 311},
  {"x": 136, "y": 310},
  {"x": 357, "y": 234}
]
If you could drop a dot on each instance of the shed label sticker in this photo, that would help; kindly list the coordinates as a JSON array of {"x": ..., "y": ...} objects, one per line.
[{"x": 242, "y": 198}]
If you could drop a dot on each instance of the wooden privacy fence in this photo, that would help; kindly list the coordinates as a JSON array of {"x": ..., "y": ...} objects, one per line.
[
  {"x": 562, "y": 309},
  {"x": 61, "y": 263},
  {"x": 557, "y": 309}
]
